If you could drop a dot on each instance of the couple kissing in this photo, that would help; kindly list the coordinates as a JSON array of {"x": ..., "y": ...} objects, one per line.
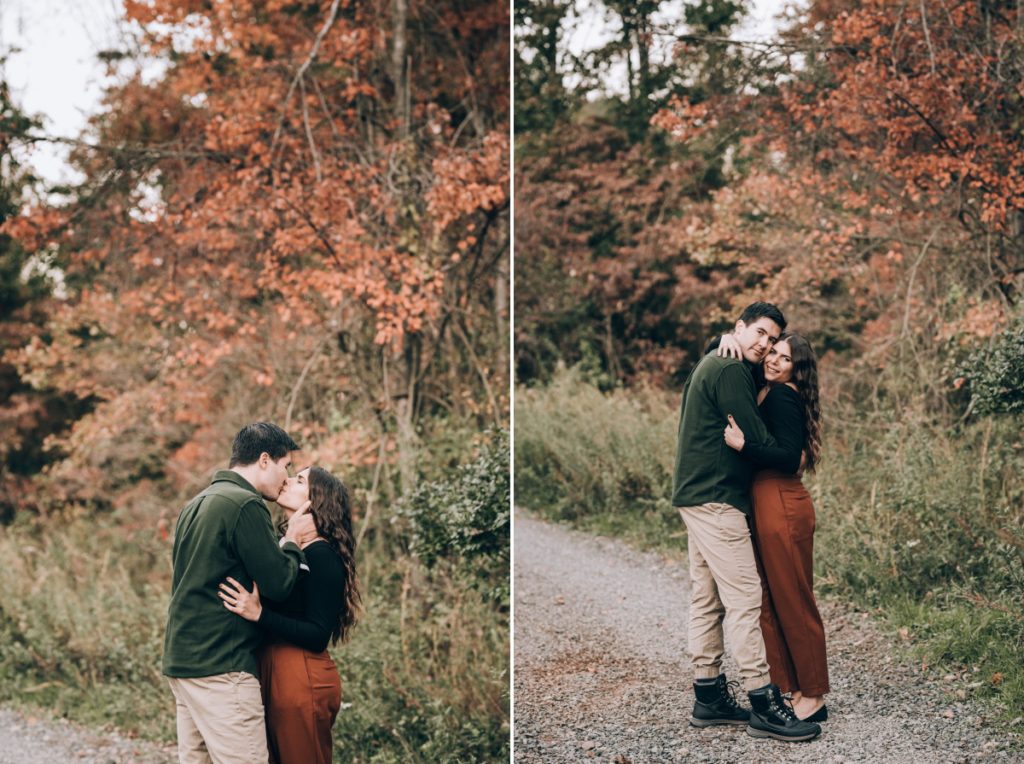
[{"x": 250, "y": 618}]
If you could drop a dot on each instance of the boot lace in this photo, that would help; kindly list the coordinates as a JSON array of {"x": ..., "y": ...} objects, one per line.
[
  {"x": 732, "y": 688},
  {"x": 785, "y": 707}
]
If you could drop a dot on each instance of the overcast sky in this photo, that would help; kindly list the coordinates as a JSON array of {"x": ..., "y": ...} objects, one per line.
[
  {"x": 587, "y": 29},
  {"x": 52, "y": 67}
]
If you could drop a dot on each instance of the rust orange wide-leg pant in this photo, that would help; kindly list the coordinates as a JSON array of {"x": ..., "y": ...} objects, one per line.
[
  {"x": 783, "y": 534},
  {"x": 302, "y": 695}
]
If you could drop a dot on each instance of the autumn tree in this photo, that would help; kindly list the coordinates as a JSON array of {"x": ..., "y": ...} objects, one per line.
[
  {"x": 305, "y": 219},
  {"x": 541, "y": 98},
  {"x": 882, "y": 201},
  {"x": 28, "y": 415},
  {"x": 863, "y": 169},
  {"x": 611, "y": 274}
]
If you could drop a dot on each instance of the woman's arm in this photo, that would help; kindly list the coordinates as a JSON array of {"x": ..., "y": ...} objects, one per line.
[
  {"x": 725, "y": 345},
  {"x": 783, "y": 413},
  {"x": 322, "y": 599}
]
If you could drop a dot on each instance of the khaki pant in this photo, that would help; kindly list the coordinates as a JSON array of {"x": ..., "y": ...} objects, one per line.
[
  {"x": 726, "y": 600},
  {"x": 220, "y": 719}
]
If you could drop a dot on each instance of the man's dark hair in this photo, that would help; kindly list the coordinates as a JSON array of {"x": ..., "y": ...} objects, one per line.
[
  {"x": 758, "y": 310},
  {"x": 253, "y": 439}
]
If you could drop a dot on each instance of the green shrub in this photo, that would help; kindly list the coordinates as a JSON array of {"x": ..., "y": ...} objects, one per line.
[
  {"x": 426, "y": 675},
  {"x": 995, "y": 374},
  {"x": 464, "y": 519}
]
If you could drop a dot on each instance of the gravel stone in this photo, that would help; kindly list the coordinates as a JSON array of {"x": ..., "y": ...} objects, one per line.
[
  {"x": 29, "y": 739},
  {"x": 602, "y": 673}
]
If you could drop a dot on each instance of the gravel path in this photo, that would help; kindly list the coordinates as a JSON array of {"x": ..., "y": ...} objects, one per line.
[
  {"x": 29, "y": 739},
  {"x": 601, "y": 672}
]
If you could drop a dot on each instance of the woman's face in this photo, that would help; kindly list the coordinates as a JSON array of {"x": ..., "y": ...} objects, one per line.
[
  {"x": 778, "y": 364},
  {"x": 295, "y": 493}
]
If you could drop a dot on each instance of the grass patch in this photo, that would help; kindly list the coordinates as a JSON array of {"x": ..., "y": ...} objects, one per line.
[
  {"x": 81, "y": 627},
  {"x": 599, "y": 461}
]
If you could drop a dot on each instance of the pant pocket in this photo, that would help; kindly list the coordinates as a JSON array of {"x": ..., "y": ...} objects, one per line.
[{"x": 325, "y": 683}]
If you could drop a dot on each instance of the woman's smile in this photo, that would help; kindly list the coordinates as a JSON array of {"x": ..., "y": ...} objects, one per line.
[{"x": 778, "y": 364}]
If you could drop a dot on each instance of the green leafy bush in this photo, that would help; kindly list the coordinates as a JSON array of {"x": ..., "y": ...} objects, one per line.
[
  {"x": 466, "y": 516},
  {"x": 996, "y": 374}
]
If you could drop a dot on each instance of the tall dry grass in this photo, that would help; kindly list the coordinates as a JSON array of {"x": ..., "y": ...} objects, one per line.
[{"x": 602, "y": 461}]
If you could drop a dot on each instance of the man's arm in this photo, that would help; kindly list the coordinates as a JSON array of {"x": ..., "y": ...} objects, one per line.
[{"x": 274, "y": 568}]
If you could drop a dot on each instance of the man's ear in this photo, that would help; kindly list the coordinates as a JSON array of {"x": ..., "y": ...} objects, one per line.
[
  {"x": 740, "y": 326},
  {"x": 264, "y": 460}
]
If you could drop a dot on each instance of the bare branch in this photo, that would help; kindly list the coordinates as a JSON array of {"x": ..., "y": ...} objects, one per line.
[
  {"x": 331, "y": 16},
  {"x": 136, "y": 149},
  {"x": 302, "y": 378},
  {"x": 913, "y": 275},
  {"x": 927, "y": 37},
  {"x": 309, "y": 133}
]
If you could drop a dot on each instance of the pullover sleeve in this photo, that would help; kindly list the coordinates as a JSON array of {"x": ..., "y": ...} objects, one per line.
[
  {"x": 322, "y": 600},
  {"x": 783, "y": 411},
  {"x": 273, "y": 567},
  {"x": 735, "y": 395}
]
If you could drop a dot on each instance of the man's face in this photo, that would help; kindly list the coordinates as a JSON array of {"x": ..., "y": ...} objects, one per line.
[
  {"x": 755, "y": 338},
  {"x": 275, "y": 475}
]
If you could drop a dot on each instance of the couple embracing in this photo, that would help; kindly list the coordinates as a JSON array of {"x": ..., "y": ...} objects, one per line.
[
  {"x": 251, "y": 615},
  {"x": 749, "y": 427}
]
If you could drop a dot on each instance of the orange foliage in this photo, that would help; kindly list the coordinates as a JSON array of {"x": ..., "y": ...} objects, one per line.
[
  {"x": 885, "y": 191},
  {"x": 259, "y": 204}
]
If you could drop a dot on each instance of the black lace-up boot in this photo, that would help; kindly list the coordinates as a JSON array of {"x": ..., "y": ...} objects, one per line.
[
  {"x": 716, "y": 703},
  {"x": 772, "y": 716}
]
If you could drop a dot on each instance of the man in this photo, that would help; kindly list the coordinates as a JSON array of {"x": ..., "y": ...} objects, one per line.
[
  {"x": 712, "y": 492},
  {"x": 209, "y": 653}
]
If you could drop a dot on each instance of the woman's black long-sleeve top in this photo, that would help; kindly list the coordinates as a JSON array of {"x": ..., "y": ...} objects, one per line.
[
  {"x": 308, "y": 617},
  {"x": 783, "y": 413}
]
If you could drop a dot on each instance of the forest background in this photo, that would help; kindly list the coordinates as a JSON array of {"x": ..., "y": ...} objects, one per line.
[
  {"x": 302, "y": 217},
  {"x": 864, "y": 170}
]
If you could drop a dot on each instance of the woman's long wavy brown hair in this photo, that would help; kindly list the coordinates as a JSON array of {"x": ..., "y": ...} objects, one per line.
[
  {"x": 331, "y": 508},
  {"x": 805, "y": 377}
]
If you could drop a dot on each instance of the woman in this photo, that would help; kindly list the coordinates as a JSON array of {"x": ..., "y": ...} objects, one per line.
[
  {"x": 783, "y": 522},
  {"x": 300, "y": 683}
]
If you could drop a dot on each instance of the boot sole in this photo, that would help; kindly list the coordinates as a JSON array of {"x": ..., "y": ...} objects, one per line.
[
  {"x": 753, "y": 732},
  {"x": 695, "y": 722}
]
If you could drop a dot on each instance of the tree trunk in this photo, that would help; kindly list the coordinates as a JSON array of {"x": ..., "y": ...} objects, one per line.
[
  {"x": 406, "y": 416},
  {"x": 399, "y": 65},
  {"x": 502, "y": 312},
  {"x": 643, "y": 42}
]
